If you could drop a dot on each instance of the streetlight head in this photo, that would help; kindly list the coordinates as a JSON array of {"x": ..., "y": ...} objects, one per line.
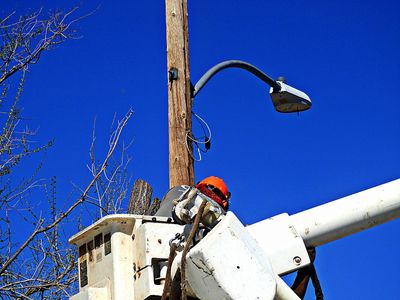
[{"x": 289, "y": 99}]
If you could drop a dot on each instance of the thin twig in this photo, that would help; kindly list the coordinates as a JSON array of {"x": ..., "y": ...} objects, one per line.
[{"x": 63, "y": 215}]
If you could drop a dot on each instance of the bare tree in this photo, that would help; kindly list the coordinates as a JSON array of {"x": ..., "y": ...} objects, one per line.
[
  {"x": 48, "y": 268},
  {"x": 35, "y": 262},
  {"x": 24, "y": 39},
  {"x": 112, "y": 189}
]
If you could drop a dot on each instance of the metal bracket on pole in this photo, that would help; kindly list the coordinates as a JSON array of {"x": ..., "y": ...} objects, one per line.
[{"x": 173, "y": 74}]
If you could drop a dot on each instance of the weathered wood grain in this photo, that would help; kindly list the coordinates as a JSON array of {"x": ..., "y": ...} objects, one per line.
[
  {"x": 181, "y": 170},
  {"x": 139, "y": 201}
]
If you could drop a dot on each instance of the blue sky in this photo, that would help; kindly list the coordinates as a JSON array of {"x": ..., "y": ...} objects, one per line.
[{"x": 343, "y": 54}]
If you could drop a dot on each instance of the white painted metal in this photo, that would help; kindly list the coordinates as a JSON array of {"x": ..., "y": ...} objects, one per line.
[
  {"x": 135, "y": 268},
  {"x": 229, "y": 264},
  {"x": 283, "y": 291},
  {"x": 284, "y": 246},
  {"x": 152, "y": 249},
  {"x": 231, "y": 261},
  {"x": 93, "y": 293},
  {"x": 112, "y": 272},
  {"x": 348, "y": 215}
]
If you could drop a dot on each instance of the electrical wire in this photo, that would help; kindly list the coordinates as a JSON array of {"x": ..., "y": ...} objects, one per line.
[{"x": 197, "y": 141}]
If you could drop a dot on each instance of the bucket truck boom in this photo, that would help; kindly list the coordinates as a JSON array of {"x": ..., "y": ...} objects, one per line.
[{"x": 124, "y": 257}]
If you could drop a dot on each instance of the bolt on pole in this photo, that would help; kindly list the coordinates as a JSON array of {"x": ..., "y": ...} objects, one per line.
[{"x": 181, "y": 169}]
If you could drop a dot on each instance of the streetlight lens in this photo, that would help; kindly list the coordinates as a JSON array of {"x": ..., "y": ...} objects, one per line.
[{"x": 292, "y": 107}]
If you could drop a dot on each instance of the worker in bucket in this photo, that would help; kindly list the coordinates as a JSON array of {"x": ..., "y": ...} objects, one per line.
[
  {"x": 182, "y": 202},
  {"x": 216, "y": 189}
]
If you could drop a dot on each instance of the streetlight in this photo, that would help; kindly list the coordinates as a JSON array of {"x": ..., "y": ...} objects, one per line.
[{"x": 285, "y": 98}]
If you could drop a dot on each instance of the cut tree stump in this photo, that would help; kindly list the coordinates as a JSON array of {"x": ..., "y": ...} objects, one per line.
[
  {"x": 154, "y": 206},
  {"x": 139, "y": 201}
]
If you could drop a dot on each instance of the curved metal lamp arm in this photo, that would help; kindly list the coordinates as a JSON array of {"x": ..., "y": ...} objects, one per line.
[{"x": 234, "y": 64}]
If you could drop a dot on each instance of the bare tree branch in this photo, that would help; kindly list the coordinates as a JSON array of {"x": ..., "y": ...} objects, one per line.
[
  {"x": 40, "y": 229},
  {"x": 41, "y": 265},
  {"x": 27, "y": 38}
]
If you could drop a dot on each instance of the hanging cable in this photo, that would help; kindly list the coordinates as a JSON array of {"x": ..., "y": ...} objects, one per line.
[{"x": 197, "y": 142}]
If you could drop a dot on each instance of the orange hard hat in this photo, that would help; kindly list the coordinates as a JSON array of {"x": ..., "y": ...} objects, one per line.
[{"x": 216, "y": 183}]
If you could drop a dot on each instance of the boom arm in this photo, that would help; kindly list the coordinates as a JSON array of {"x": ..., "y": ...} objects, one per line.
[
  {"x": 348, "y": 215},
  {"x": 124, "y": 257}
]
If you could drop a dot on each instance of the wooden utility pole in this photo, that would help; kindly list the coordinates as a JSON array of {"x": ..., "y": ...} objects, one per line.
[{"x": 181, "y": 170}]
